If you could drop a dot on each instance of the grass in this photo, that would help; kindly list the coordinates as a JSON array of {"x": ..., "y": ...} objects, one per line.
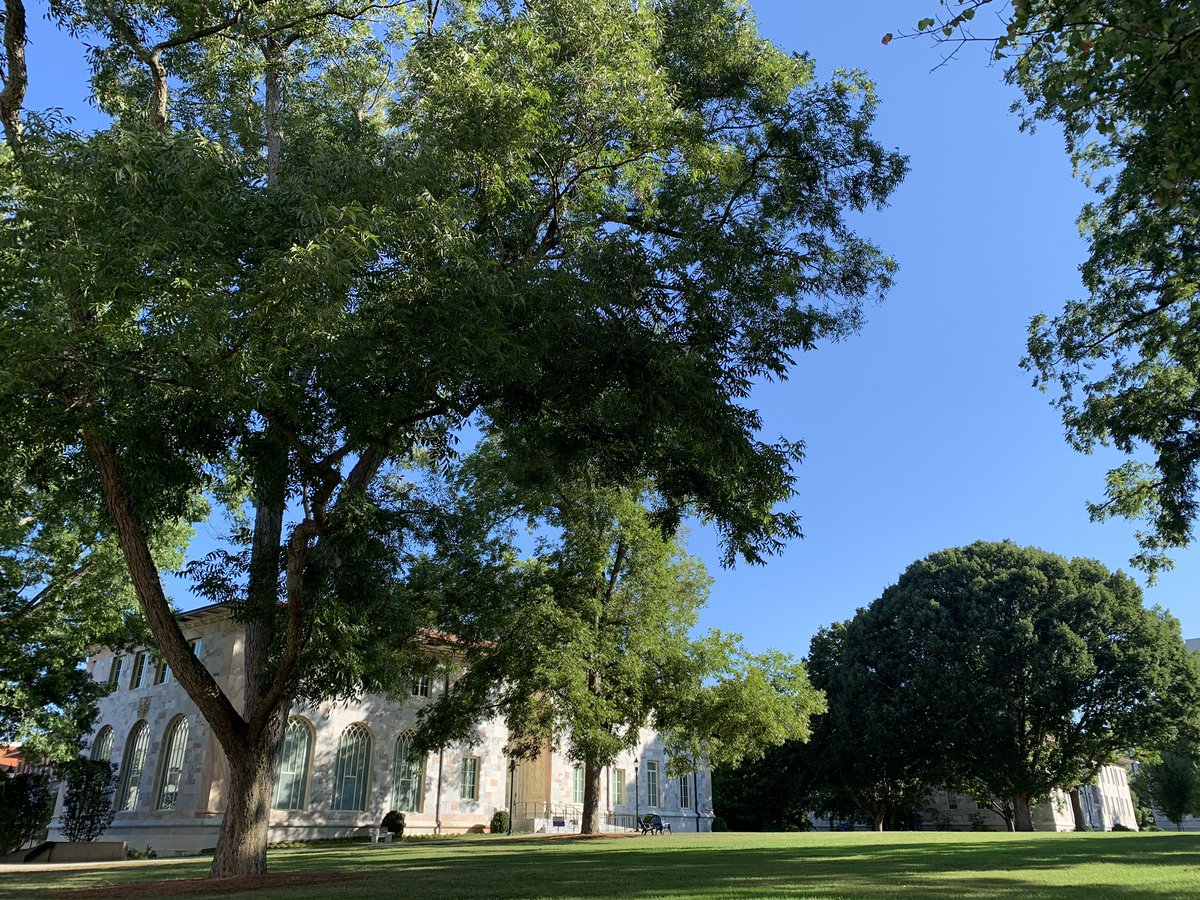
[{"x": 821, "y": 864}]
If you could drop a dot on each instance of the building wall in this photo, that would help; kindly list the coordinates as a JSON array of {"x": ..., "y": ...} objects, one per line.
[
  {"x": 1105, "y": 803},
  {"x": 542, "y": 791}
]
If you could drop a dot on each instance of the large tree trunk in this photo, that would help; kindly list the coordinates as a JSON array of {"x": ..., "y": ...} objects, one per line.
[
  {"x": 242, "y": 845},
  {"x": 1022, "y": 812},
  {"x": 591, "y": 798},
  {"x": 1077, "y": 811},
  {"x": 879, "y": 811}
]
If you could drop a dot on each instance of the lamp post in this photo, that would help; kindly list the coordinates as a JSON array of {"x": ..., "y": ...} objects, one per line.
[
  {"x": 637, "y": 813},
  {"x": 512, "y": 786}
]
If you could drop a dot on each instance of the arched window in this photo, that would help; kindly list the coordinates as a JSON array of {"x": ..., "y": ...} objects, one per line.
[
  {"x": 291, "y": 784},
  {"x": 352, "y": 769},
  {"x": 132, "y": 763},
  {"x": 103, "y": 744},
  {"x": 408, "y": 785},
  {"x": 171, "y": 767}
]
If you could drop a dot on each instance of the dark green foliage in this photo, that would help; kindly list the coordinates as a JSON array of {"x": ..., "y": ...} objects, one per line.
[
  {"x": 26, "y": 805},
  {"x": 719, "y": 824},
  {"x": 774, "y": 793},
  {"x": 499, "y": 823},
  {"x": 394, "y": 822},
  {"x": 1011, "y": 672},
  {"x": 88, "y": 801}
]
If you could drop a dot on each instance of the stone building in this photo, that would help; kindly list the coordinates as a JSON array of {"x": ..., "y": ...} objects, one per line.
[
  {"x": 344, "y": 765},
  {"x": 1105, "y": 803}
]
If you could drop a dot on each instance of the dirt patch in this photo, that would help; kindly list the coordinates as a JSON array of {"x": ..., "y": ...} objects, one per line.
[{"x": 184, "y": 887}]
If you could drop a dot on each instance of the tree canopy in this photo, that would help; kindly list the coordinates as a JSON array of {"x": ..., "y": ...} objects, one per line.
[
  {"x": 588, "y": 640},
  {"x": 1120, "y": 77},
  {"x": 317, "y": 239},
  {"x": 1006, "y": 671}
]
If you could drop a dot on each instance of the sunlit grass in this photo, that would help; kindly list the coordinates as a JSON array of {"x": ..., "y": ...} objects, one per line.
[{"x": 723, "y": 866}]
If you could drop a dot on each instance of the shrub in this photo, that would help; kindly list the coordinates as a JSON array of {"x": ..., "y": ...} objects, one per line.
[
  {"x": 499, "y": 822},
  {"x": 978, "y": 822},
  {"x": 1119, "y": 827},
  {"x": 719, "y": 824},
  {"x": 88, "y": 802},
  {"x": 394, "y": 822},
  {"x": 26, "y": 805},
  {"x": 941, "y": 822}
]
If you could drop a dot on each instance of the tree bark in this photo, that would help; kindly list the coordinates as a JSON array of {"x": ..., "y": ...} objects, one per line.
[
  {"x": 590, "y": 823},
  {"x": 1022, "y": 812},
  {"x": 16, "y": 79},
  {"x": 242, "y": 845}
]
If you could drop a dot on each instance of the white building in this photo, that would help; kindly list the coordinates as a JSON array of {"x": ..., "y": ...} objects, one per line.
[{"x": 344, "y": 765}]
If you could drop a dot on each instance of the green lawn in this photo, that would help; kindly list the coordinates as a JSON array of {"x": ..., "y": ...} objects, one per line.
[{"x": 947, "y": 865}]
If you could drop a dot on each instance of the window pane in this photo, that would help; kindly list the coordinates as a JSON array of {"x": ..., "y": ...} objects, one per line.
[
  {"x": 685, "y": 791},
  {"x": 469, "y": 789},
  {"x": 408, "y": 786},
  {"x": 172, "y": 764},
  {"x": 102, "y": 747},
  {"x": 351, "y": 770},
  {"x": 139, "y": 667},
  {"x": 617, "y": 788},
  {"x": 114, "y": 674},
  {"x": 291, "y": 785},
  {"x": 652, "y": 784},
  {"x": 132, "y": 764}
]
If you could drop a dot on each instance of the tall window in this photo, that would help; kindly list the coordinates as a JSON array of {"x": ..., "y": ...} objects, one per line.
[
  {"x": 652, "y": 783},
  {"x": 469, "y": 786},
  {"x": 352, "y": 769},
  {"x": 408, "y": 785},
  {"x": 616, "y": 787},
  {"x": 685, "y": 792},
  {"x": 421, "y": 686},
  {"x": 132, "y": 764},
  {"x": 291, "y": 785},
  {"x": 162, "y": 672},
  {"x": 174, "y": 745},
  {"x": 577, "y": 783},
  {"x": 114, "y": 674},
  {"x": 102, "y": 746}
]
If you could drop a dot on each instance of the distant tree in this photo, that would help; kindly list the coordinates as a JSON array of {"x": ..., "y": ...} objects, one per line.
[
  {"x": 26, "y": 806},
  {"x": 775, "y": 792},
  {"x": 1170, "y": 784},
  {"x": 88, "y": 799},
  {"x": 589, "y": 639},
  {"x": 1036, "y": 670},
  {"x": 877, "y": 750}
]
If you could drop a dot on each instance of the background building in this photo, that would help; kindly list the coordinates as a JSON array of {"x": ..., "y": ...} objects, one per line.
[{"x": 344, "y": 765}]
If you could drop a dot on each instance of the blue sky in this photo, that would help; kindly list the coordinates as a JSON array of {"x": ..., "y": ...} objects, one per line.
[{"x": 922, "y": 432}]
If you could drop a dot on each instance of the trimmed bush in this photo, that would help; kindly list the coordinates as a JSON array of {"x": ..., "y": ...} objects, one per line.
[
  {"x": 719, "y": 824},
  {"x": 88, "y": 802},
  {"x": 394, "y": 822},
  {"x": 26, "y": 806},
  {"x": 499, "y": 822}
]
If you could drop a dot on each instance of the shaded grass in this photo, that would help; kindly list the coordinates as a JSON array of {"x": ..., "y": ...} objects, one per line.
[{"x": 825, "y": 865}]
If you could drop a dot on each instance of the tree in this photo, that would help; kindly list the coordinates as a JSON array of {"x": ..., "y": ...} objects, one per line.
[
  {"x": 1120, "y": 78},
  {"x": 26, "y": 805},
  {"x": 1036, "y": 670},
  {"x": 588, "y": 641},
  {"x": 316, "y": 240},
  {"x": 63, "y": 589},
  {"x": 877, "y": 751},
  {"x": 88, "y": 800},
  {"x": 1170, "y": 784}
]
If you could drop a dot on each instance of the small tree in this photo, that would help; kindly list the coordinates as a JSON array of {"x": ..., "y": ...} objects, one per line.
[
  {"x": 26, "y": 806},
  {"x": 1171, "y": 785},
  {"x": 87, "y": 804}
]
